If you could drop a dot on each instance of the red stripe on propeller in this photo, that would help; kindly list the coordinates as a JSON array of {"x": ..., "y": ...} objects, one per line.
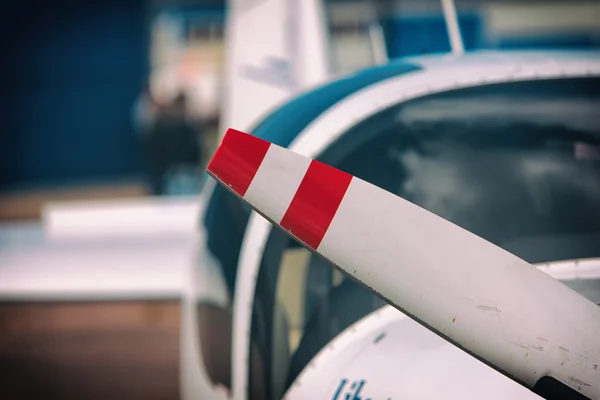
[
  {"x": 313, "y": 207},
  {"x": 237, "y": 159}
]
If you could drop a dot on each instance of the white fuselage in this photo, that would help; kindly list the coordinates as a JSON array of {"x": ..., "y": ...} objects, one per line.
[{"x": 441, "y": 73}]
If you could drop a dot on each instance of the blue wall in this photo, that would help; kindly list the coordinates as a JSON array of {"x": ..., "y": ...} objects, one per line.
[
  {"x": 572, "y": 41},
  {"x": 418, "y": 34},
  {"x": 427, "y": 34},
  {"x": 71, "y": 73}
]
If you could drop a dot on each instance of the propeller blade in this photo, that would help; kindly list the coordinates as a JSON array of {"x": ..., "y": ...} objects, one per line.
[{"x": 478, "y": 296}]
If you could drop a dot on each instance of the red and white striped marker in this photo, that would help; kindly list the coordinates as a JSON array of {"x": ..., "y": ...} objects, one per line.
[
  {"x": 484, "y": 299},
  {"x": 303, "y": 194}
]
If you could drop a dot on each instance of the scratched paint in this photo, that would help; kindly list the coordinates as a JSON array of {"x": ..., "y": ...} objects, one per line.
[
  {"x": 579, "y": 382},
  {"x": 519, "y": 345},
  {"x": 379, "y": 338},
  {"x": 488, "y": 308}
]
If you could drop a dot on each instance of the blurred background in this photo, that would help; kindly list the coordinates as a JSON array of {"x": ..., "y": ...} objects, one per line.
[
  {"x": 120, "y": 99},
  {"x": 84, "y": 82}
]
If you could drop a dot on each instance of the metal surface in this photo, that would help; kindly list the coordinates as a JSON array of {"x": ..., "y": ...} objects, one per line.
[
  {"x": 411, "y": 362},
  {"x": 456, "y": 43},
  {"x": 458, "y": 285},
  {"x": 440, "y": 74}
]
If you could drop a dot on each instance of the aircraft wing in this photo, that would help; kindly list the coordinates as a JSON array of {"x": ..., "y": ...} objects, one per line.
[
  {"x": 481, "y": 298},
  {"x": 101, "y": 250}
]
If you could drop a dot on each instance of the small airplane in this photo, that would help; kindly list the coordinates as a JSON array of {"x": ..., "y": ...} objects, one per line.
[
  {"x": 503, "y": 144},
  {"x": 470, "y": 292}
]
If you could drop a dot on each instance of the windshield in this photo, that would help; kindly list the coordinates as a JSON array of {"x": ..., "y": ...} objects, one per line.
[
  {"x": 516, "y": 163},
  {"x": 521, "y": 170}
]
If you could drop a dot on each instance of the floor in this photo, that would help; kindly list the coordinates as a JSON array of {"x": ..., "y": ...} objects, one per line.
[
  {"x": 110, "y": 350},
  {"x": 92, "y": 349}
]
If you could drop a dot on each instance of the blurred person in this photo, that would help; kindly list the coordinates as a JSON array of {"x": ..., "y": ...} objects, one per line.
[{"x": 172, "y": 142}]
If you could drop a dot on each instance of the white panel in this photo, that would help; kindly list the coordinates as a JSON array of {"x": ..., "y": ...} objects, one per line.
[
  {"x": 279, "y": 175},
  {"x": 313, "y": 66},
  {"x": 109, "y": 249},
  {"x": 275, "y": 49},
  {"x": 411, "y": 363},
  {"x": 339, "y": 359},
  {"x": 469, "y": 70},
  {"x": 204, "y": 282},
  {"x": 255, "y": 238},
  {"x": 122, "y": 218},
  {"x": 466, "y": 288},
  {"x": 573, "y": 269},
  {"x": 80, "y": 270}
]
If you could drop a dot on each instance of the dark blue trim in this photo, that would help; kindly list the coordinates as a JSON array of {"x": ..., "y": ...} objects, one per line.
[
  {"x": 283, "y": 125},
  {"x": 553, "y": 42},
  {"x": 199, "y": 15},
  {"x": 418, "y": 34}
]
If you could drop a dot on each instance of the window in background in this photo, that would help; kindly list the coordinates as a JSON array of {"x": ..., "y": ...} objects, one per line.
[{"x": 535, "y": 24}]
